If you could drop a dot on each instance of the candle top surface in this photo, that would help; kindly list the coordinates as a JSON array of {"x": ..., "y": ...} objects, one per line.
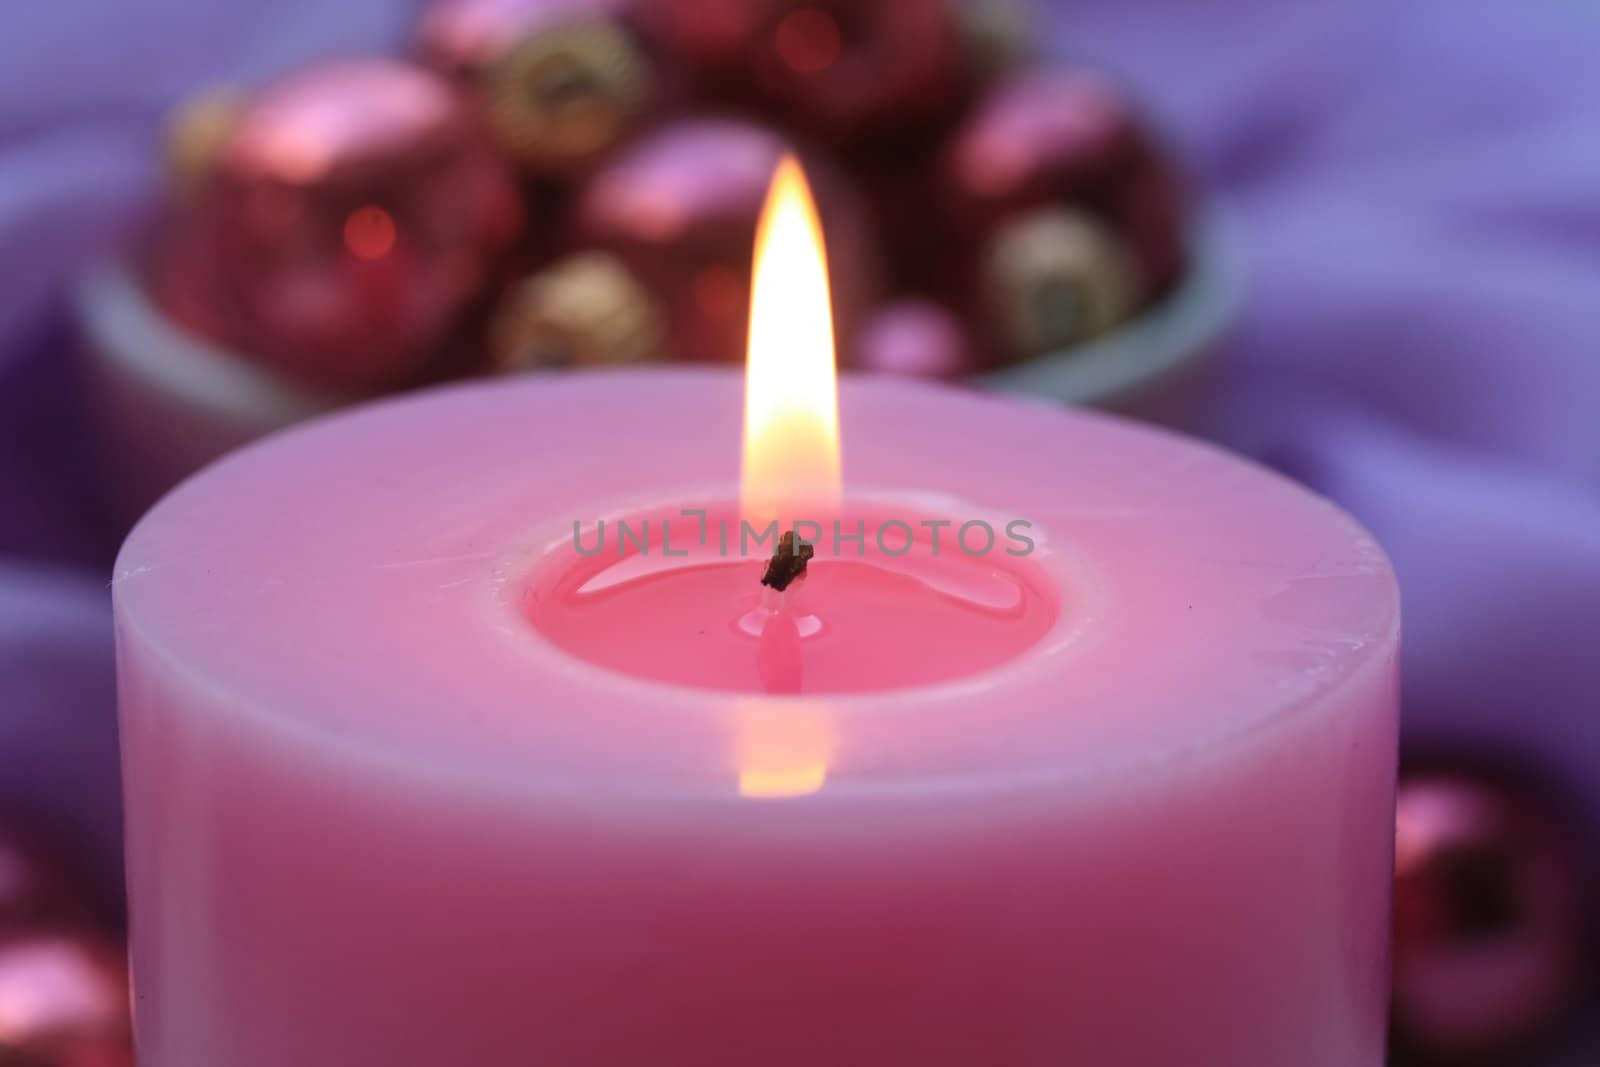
[{"x": 360, "y": 584}]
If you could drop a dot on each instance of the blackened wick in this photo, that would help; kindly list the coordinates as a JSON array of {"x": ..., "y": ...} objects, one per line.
[{"x": 788, "y": 562}]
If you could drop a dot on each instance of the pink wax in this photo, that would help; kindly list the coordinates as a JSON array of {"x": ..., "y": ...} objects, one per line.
[
  {"x": 892, "y": 598},
  {"x": 386, "y": 806}
]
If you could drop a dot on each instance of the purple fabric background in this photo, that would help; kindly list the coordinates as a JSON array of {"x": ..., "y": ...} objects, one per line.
[{"x": 1418, "y": 182}]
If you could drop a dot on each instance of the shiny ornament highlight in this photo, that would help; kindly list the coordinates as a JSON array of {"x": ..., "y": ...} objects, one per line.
[{"x": 916, "y": 339}]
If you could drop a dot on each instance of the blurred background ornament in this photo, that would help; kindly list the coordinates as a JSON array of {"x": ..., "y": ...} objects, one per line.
[
  {"x": 1490, "y": 937},
  {"x": 705, "y": 37},
  {"x": 996, "y": 34},
  {"x": 584, "y": 311},
  {"x": 1064, "y": 138},
  {"x": 914, "y": 338},
  {"x": 352, "y": 216},
  {"x": 33, "y": 890},
  {"x": 557, "y": 82},
  {"x": 196, "y": 131},
  {"x": 363, "y": 225},
  {"x": 463, "y": 38},
  {"x": 839, "y": 69},
  {"x": 1044, "y": 215},
  {"x": 64, "y": 1000},
  {"x": 679, "y": 208},
  {"x": 1053, "y": 278}
]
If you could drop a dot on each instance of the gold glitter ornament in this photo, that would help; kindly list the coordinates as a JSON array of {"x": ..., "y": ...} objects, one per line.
[
  {"x": 1054, "y": 278},
  {"x": 196, "y": 130},
  {"x": 586, "y": 310},
  {"x": 564, "y": 93}
]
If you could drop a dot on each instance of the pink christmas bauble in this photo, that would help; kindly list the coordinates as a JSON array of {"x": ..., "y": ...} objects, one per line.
[{"x": 64, "y": 1001}]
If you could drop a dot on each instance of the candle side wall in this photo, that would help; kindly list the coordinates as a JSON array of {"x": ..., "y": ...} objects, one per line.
[
  {"x": 376, "y": 819},
  {"x": 293, "y": 903}
]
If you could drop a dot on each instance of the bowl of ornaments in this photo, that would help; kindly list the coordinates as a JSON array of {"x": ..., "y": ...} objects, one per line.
[{"x": 545, "y": 186}]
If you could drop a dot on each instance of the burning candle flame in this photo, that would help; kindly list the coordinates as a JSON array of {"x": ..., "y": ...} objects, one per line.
[
  {"x": 791, "y": 407},
  {"x": 791, "y": 450}
]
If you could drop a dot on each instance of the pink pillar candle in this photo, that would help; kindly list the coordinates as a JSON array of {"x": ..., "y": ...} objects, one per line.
[{"x": 414, "y": 778}]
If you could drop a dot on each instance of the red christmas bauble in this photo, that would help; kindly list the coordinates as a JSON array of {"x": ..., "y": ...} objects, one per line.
[
  {"x": 916, "y": 339},
  {"x": 842, "y": 69},
  {"x": 557, "y": 83},
  {"x": 1489, "y": 917},
  {"x": 706, "y": 36},
  {"x": 1064, "y": 138},
  {"x": 64, "y": 1001},
  {"x": 350, "y": 219},
  {"x": 679, "y": 209}
]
